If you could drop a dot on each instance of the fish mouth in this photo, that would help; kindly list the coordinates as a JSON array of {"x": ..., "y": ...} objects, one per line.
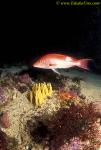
[{"x": 33, "y": 65}]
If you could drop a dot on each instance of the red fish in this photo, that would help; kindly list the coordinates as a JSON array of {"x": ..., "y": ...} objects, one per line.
[{"x": 56, "y": 61}]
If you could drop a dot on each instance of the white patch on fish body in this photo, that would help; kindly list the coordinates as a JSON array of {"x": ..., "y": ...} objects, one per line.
[
  {"x": 69, "y": 59},
  {"x": 99, "y": 148},
  {"x": 62, "y": 63}
]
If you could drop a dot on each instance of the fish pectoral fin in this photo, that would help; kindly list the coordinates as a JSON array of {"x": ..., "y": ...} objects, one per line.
[
  {"x": 56, "y": 71},
  {"x": 52, "y": 65}
]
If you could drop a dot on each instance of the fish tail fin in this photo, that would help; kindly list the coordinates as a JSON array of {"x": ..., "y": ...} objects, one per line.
[{"x": 83, "y": 63}]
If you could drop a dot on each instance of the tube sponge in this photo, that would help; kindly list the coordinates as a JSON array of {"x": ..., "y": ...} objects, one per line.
[{"x": 39, "y": 92}]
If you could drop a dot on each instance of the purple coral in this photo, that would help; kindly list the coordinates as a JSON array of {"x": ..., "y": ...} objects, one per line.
[
  {"x": 75, "y": 144},
  {"x": 25, "y": 79}
]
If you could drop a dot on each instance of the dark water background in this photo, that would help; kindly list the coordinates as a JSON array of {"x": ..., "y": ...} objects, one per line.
[{"x": 31, "y": 30}]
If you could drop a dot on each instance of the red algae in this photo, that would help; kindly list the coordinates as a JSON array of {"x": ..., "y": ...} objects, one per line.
[
  {"x": 67, "y": 95},
  {"x": 77, "y": 121}
]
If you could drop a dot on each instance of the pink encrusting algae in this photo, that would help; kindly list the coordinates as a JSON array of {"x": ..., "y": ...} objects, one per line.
[{"x": 4, "y": 120}]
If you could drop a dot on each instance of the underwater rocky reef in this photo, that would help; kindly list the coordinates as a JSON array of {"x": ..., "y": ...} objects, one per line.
[{"x": 47, "y": 112}]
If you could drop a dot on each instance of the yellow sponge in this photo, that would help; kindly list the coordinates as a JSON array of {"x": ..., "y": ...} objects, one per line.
[{"x": 39, "y": 92}]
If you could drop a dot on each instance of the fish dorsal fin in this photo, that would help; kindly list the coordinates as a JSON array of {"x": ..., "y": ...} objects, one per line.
[{"x": 68, "y": 59}]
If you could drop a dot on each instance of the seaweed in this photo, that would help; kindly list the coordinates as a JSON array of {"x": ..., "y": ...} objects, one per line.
[
  {"x": 76, "y": 122},
  {"x": 67, "y": 126}
]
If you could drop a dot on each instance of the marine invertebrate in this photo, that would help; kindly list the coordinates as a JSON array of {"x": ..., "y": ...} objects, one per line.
[
  {"x": 75, "y": 144},
  {"x": 25, "y": 78},
  {"x": 39, "y": 92}
]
